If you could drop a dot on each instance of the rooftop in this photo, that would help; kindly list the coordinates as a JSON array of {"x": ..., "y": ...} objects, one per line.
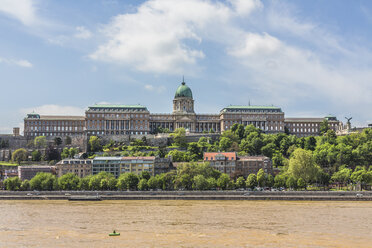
[
  {"x": 139, "y": 158},
  {"x": 305, "y": 119},
  {"x": 118, "y": 106},
  {"x": 61, "y": 117},
  {"x": 251, "y": 107},
  {"x": 252, "y": 158},
  {"x": 183, "y": 91},
  {"x": 212, "y": 155}
]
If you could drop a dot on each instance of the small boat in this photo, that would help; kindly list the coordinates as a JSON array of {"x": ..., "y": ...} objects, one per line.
[
  {"x": 85, "y": 198},
  {"x": 114, "y": 233}
]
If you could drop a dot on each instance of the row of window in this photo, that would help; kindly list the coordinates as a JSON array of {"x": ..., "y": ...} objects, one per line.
[
  {"x": 254, "y": 110},
  {"x": 58, "y": 128},
  {"x": 116, "y": 133},
  {"x": 118, "y": 109},
  {"x": 48, "y": 134},
  {"x": 117, "y": 115},
  {"x": 303, "y": 130},
  {"x": 58, "y": 123}
]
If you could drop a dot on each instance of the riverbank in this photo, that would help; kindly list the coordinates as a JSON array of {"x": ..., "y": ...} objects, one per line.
[{"x": 192, "y": 195}]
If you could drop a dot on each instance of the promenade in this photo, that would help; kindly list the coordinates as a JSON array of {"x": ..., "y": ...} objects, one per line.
[{"x": 192, "y": 195}]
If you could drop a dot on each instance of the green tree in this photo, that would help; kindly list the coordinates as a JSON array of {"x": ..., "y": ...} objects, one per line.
[
  {"x": 95, "y": 144},
  {"x": 323, "y": 178},
  {"x": 280, "y": 181},
  {"x": 145, "y": 175},
  {"x": 301, "y": 184},
  {"x": 362, "y": 176},
  {"x": 291, "y": 182},
  {"x": 168, "y": 180},
  {"x": 57, "y": 141},
  {"x": 183, "y": 181},
  {"x": 200, "y": 183},
  {"x": 69, "y": 181},
  {"x": 195, "y": 151},
  {"x": 324, "y": 126},
  {"x": 19, "y": 155},
  {"x": 68, "y": 140},
  {"x": 142, "y": 184},
  {"x": 251, "y": 181},
  {"x": 72, "y": 152},
  {"x": 330, "y": 137},
  {"x": 270, "y": 180},
  {"x": 268, "y": 150},
  {"x": 84, "y": 182},
  {"x": 25, "y": 185},
  {"x": 310, "y": 143},
  {"x": 44, "y": 181},
  {"x": 240, "y": 182},
  {"x": 128, "y": 181},
  {"x": 342, "y": 176},
  {"x": 51, "y": 153},
  {"x": 225, "y": 144},
  {"x": 161, "y": 152},
  {"x": 95, "y": 183},
  {"x": 278, "y": 159},
  {"x": 153, "y": 183},
  {"x": 40, "y": 142},
  {"x": 301, "y": 164},
  {"x": 179, "y": 156},
  {"x": 223, "y": 181},
  {"x": 261, "y": 178},
  {"x": 65, "y": 153},
  {"x": 12, "y": 183},
  {"x": 36, "y": 155},
  {"x": 179, "y": 137},
  {"x": 104, "y": 184},
  {"x": 212, "y": 183},
  {"x": 238, "y": 130},
  {"x": 112, "y": 183}
]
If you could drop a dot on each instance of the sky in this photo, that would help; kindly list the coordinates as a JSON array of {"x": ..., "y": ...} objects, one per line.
[{"x": 311, "y": 58}]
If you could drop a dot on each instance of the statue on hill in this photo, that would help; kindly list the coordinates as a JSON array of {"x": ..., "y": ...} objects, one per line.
[{"x": 348, "y": 123}]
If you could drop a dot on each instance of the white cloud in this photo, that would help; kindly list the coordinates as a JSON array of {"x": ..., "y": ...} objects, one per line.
[
  {"x": 157, "y": 37},
  {"x": 17, "y": 62},
  {"x": 22, "y": 10},
  {"x": 23, "y": 63},
  {"x": 52, "y": 109},
  {"x": 245, "y": 7},
  {"x": 320, "y": 68},
  {"x": 159, "y": 89},
  {"x": 82, "y": 33},
  {"x": 256, "y": 44}
]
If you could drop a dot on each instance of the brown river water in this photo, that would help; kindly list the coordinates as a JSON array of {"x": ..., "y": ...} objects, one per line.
[{"x": 185, "y": 224}]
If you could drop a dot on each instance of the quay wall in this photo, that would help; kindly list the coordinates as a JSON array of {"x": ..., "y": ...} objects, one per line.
[{"x": 193, "y": 195}]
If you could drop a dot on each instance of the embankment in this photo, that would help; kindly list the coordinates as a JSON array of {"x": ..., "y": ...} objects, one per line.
[{"x": 192, "y": 195}]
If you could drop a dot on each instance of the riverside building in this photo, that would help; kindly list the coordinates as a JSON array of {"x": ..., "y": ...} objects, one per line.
[
  {"x": 236, "y": 166},
  {"x": 108, "y": 119},
  {"x": 136, "y": 165},
  {"x": 79, "y": 167}
]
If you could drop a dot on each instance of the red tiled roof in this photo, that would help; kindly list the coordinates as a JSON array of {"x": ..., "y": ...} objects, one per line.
[{"x": 212, "y": 155}]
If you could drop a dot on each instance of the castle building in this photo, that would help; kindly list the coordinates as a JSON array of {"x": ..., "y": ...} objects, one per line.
[
  {"x": 50, "y": 125},
  {"x": 106, "y": 119},
  {"x": 303, "y": 127}
]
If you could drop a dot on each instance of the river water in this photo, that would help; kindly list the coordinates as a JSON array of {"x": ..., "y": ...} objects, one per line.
[{"x": 185, "y": 224}]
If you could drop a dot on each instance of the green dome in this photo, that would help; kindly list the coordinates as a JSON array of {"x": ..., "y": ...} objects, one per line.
[{"x": 183, "y": 91}]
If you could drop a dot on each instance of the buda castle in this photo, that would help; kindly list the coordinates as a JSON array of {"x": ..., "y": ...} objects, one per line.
[{"x": 107, "y": 119}]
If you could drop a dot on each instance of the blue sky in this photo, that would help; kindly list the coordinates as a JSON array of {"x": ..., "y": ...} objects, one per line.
[{"x": 311, "y": 58}]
